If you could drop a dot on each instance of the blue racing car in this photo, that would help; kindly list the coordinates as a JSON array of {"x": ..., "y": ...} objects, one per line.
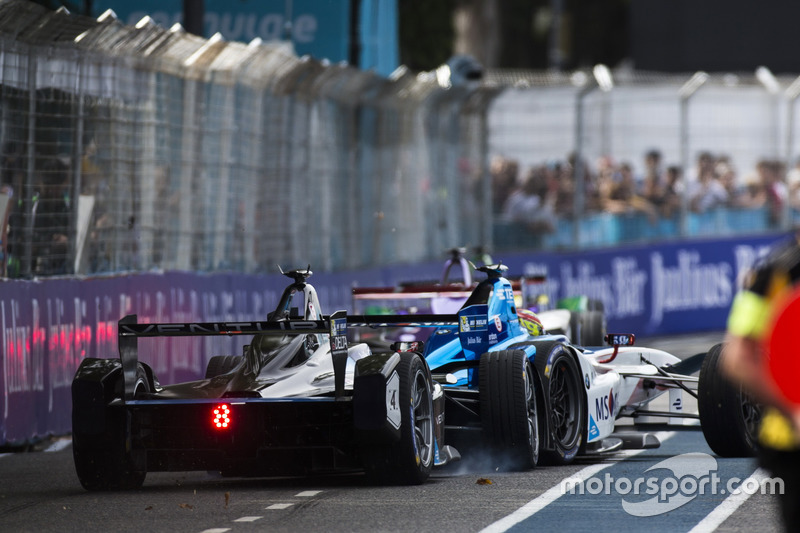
[
  {"x": 523, "y": 392},
  {"x": 537, "y": 397}
]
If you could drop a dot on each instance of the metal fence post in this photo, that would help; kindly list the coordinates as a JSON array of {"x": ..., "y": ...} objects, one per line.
[
  {"x": 183, "y": 257},
  {"x": 791, "y": 94},
  {"x": 148, "y": 225},
  {"x": 486, "y": 220},
  {"x": 603, "y": 80},
  {"x": 29, "y": 189},
  {"x": 685, "y": 93},
  {"x": 77, "y": 172},
  {"x": 770, "y": 83}
]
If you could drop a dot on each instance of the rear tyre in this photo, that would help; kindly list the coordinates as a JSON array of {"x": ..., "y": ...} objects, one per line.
[
  {"x": 221, "y": 364},
  {"x": 409, "y": 460},
  {"x": 595, "y": 305},
  {"x": 509, "y": 410},
  {"x": 729, "y": 417},
  {"x": 588, "y": 328},
  {"x": 105, "y": 461},
  {"x": 562, "y": 383}
]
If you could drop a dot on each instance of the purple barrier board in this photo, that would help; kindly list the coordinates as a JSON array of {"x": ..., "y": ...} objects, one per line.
[
  {"x": 49, "y": 326},
  {"x": 679, "y": 287}
]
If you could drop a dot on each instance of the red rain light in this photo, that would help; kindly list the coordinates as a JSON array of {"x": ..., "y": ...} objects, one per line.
[{"x": 221, "y": 416}]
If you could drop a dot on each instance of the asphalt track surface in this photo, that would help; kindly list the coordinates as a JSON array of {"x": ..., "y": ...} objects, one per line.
[{"x": 676, "y": 492}]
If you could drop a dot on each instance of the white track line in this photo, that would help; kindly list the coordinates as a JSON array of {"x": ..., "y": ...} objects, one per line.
[
  {"x": 721, "y": 513},
  {"x": 58, "y": 445},
  {"x": 248, "y": 519},
  {"x": 554, "y": 492},
  {"x": 279, "y": 506}
]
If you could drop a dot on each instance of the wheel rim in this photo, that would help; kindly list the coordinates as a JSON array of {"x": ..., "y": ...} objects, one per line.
[
  {"x": 751, "y": 416},
  {"x": 533, "y": 425},
  {"x": 564, "y": 400},
  {"x": 423, "y": 423}
]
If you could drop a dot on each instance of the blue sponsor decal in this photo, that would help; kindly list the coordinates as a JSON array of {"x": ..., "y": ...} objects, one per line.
[
  {"x": 474, "y": 323},
  {"x": 474, "y": 330},
  {"x": 339, "y": 336},
  {"x": 593, "y": 431},
  {"x": 339, "y": 326}
]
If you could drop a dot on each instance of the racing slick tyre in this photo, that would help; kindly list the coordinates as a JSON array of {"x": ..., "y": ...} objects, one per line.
[
  {"x": 221, "y": 364},
  {"x": 508, "y": 405},
  {"x": 409, "y": 460},
  {"x": 566, "y": 420},
  {"x": 104, "y": 461},
  {"x": 729, "y": 418},
  {"x": 588, "y": 328},
  {"x": 595, "y": 305}
]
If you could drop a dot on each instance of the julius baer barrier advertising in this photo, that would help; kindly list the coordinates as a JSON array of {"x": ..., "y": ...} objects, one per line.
[{"x": 49, "y": 326}]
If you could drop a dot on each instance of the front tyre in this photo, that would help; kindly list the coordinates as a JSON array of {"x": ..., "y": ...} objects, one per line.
[
  {"x": 567, "y": 414},
  {"x": 409, "y": 460},
  {"x": 509, "y": 410},
  {"x": 729, "y": 418}
]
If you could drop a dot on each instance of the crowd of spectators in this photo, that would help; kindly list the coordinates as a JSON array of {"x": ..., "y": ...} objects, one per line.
[{"x": 538, "y": 196}]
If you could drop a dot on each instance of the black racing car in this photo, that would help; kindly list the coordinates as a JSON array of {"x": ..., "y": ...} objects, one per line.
[{"x": 298, "y": 400}]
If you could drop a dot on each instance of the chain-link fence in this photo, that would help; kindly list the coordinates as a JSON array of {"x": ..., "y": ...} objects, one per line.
[{"x": 138, "y": 148}]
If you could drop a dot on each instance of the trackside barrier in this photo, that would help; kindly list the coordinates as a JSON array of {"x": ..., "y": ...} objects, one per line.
[{"x": 49, "y": 326}]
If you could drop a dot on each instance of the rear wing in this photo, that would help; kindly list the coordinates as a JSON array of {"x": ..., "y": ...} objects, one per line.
[
  {"x": 394, "y": 321},
  {"x": 411, "y": 292},
  {"x": 129, "y": 331},
  {"x": 431, "y": 290}
]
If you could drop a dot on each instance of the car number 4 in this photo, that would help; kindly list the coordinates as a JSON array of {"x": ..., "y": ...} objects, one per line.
[{"x": 392, "y": 408}]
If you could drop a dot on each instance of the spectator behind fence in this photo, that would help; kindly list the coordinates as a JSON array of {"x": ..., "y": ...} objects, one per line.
[
  {"x": 705, "y": 163},
  {"x": 793, "y": 184},
  {"x": 653, "y": 172},
  {"x": 773, "y": 193},
  {"x": 653, "y": 189},
  {"x": 533, "y": 203},
  {"x": 673, "y": 191},
  {"x": 602, "y": 183},
  {"x": 13, "y": 178},
  {"x": 767, "y": 189},
  {"x": 565, "y": 194},
  {"x": 707, "y": 192},
  {"x": 51, "y": 211},
  {"x": 623, "y": 197},
  {"x": 504, "y": 180},
  {"x": 738, "y": 195}
]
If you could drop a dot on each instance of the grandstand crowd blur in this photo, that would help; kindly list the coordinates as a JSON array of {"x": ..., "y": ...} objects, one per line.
[{"x": 651, "y": 196}]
